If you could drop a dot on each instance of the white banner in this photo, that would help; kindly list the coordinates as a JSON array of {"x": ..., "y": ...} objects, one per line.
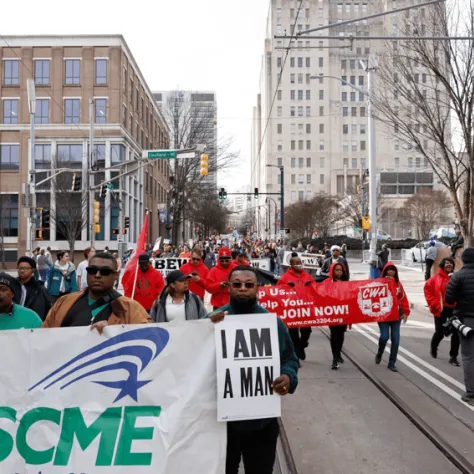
[
  {"x": 248, "y": 361},
  {"x": 167, "y": 265},
  {"x": 261, "y": 263},
  {"x": 138, "y": 399},
  {"x": 309, "y": 260}
]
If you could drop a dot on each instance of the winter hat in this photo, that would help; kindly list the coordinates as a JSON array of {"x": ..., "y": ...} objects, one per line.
[
  {"x": 143, "y": 258},
  {"x": 468, "y": 255},
  {"x": 335, "y": 247},
  {"x": 224, "y": 252}
]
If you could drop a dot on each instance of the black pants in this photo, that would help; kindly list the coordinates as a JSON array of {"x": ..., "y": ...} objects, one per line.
[
  {"x": 438, "y": 336},
  {"x": 429, "y": 264},
  {"x": 258, "y": 449},
  {"x": 300, "y": 337},
  {"x": 337, "y": 339}
]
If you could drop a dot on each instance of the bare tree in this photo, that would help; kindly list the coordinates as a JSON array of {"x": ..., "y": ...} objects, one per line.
[
  {"x": 426, "y": 98},
  {"x": 246, "y": 222},
  {"x": 209, "y": 214},
  {"x": 425, "y": 210},
  {"x": 319, "y": 213},
  {"x": 191, "y": 125}
]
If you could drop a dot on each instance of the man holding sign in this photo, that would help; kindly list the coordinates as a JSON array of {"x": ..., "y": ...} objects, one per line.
[{"x": 255, "y": 440}]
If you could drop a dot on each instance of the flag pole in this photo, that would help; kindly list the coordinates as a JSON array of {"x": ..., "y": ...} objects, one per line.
[{"x": 136, "y": 269}]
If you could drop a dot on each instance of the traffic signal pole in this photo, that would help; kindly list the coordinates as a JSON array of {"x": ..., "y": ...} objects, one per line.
[{"x": 90, "y": 188}]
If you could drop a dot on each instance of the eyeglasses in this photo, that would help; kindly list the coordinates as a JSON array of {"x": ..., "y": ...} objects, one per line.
[
  {"x": 24, "y": 269},
  {"x": 224, "y": 259},
  {"x": 103, "y": 271},
  {"x": 247, "y": 284}
]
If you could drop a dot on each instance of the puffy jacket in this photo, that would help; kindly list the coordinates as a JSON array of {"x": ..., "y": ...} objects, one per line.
[
  {"x": 460, "y": 291},
  {"x": 198, "y": 288},
  {"x": 149, "y": 286},
  {"x": 403, "y": 303},
  {"x": 56, "y": 276},
  {"x": 220, "y": 295},
  {"x": 435, "y": 291},
  {"x": 297, "y": 279}
]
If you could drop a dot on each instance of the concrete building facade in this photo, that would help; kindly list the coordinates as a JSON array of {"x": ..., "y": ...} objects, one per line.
[
  {"x": 317, "y": 126},
  {"x": 68, "y": 71}
]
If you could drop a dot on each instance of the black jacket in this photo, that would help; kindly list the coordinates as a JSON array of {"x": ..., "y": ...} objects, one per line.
[
  {"x": 460, "y": 290},
  {"x": 37, "y": 297},
  {"x": 383, "y": 256},
  {"x": 327, "y": 266}
]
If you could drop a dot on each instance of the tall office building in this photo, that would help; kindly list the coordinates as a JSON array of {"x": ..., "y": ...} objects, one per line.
[
  {"x": 192, "y": 120},
  {"x": 68, "y": 71},
  {"x": 317, "y": 126}
]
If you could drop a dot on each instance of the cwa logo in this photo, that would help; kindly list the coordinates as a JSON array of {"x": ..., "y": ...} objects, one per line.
[
  {"x": 375, "y": 299},
  {"x": 116, "y": 354}
]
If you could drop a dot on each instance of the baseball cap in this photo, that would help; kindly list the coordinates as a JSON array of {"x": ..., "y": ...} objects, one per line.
[
  {"x": 224, "y": 252},
  {"x": 176, "y": 275},
  {"x": 241, "y": 253},
  {"x": 143, "y": 258},
  {"x": 8, "y": 280}
]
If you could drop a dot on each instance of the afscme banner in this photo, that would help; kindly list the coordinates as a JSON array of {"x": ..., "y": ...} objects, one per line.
[
  {"x": 138, "y": 399},
  {"x": 329, "y": 304}
]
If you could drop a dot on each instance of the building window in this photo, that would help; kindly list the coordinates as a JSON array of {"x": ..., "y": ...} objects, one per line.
[
  {"x": 397, "y": 162},
  {"x": 321, "y": 95},
  {"x": 293, "y": 195},
  {"x": 345, "y": 129},
  {"x": 321, "y": 62},
  {"x": 293, "y": 179},
  {"x": 117, "y": 153},
  {"x": 345, "y": 162},
  {"x": 124, "y": 115},
  {"x": 292, "y": 111},
  {"x": 354, "y": 163},
  {"x": 300, "y": 162},
  {"x": 300, "y": 95},
  {"x": 280, "y": 161},
  {"x": 344, "y": 97},
  {"x": 300, "y": 144},
  {"x": 9, "y": 157},
  {"x": 418, "y": 162},
  {"x": 308, "y": 62},
  {"x": 279, "y": 129},
  {"x": 362, "y": 129},
  {"x": 293, "y": 145},
  {"x": 42, "y": 71},
  {"x": 345, "y": 111},
  {"x": 308, "y": 179},
  {"x": 293, "y": 162},
  {"x": 301, "y": 179},
  {"x": 279, "y": 145},
  {"x": 308, "y": 162},
  {"x": 308, "y": 144},
  {"x": 42, "y": 111},
  {"x": 9, "y": 216},
  {"x": 362, "y": 145},
  {"x": 124, "y": 80},
  {"x": 300, "y": 62},
  {"x": 321, "y": 128},
  {"x": 363, "y": 164},
  {"x": 10, "y": 111},
  {"x": 353, "y": 96},
  {"x": 300, "y": 111},
  {"x": 362, "y": 111},
  {"x": 73, "y": 71},
  {"x": 101, "y": 71},
  {"x": 321, "y": 179},
  {"x": 279, "y": 62},
  {"x": 353, "y": 111},
  {"x": 308, "y": 94},
  {"x": 300, "y": 195},
  {"x": 321, "y": 145},
  {"x": 308, "y": 111},
  {"x": 292, "y": 78},
  {"x": 292, "y": 94},
  {"x": 321, "y": 162},
  {"x": 72, "y": 110},
  {"x": 308, "y": 128},
  {"x": 42, "y": 157},
  {"x": 70, "y": 155},
  {"x": 11, "y": 72},
  {"x": 410, "y": 162},
  {"x": 279, "y": 94},
  {"x": 292, "y": 62}
]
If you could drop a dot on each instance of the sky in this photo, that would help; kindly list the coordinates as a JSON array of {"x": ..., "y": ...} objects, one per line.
[{"x": 178, "y": 44}]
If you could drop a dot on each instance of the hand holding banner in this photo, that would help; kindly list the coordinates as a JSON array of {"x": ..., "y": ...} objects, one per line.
[{"x": 328, "y": 303}]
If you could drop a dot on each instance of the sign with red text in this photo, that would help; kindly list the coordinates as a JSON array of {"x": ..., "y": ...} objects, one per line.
[{"x": 329, "y": 303}]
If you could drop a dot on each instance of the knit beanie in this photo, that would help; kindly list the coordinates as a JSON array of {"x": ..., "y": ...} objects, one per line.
[{"x": 468, "y": 255}]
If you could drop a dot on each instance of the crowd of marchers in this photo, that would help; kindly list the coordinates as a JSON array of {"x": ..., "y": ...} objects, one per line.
[{"x": 62, "y": 295}]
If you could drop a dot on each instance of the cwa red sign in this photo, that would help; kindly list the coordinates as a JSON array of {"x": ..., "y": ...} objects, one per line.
[{"x": 328, "y": 303}]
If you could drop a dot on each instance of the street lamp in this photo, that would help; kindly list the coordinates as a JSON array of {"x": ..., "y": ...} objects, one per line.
[
  {"x": 30, "y": 85},
  {"x": 276, "y": 213},
  {"x": 370, "y": 70},
  {"x": 282, "y": 197}
]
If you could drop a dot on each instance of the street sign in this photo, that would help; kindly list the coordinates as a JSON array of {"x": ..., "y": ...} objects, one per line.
[{"x": 159, "y": 154}]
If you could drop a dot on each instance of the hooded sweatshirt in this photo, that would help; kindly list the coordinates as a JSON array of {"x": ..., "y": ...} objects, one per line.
[
  {"x": 403, "y": 303},
  {"x": 292, "y": 276},
  {"x": 149, "y": 286},
  {"x": 435, "y": 291},
  {"x": 198, "y": 288},
  {"x": 220, "y": 295}
]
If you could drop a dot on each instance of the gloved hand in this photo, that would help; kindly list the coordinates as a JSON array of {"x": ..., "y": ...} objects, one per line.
[
  {"x": 308, "y": 283},
  {"x": 291, "y": 283}
]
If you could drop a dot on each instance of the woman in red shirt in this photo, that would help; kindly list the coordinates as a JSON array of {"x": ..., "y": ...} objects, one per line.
[
  {"x": 296, "y": 276},
  {"x": 198, "y": 271}
]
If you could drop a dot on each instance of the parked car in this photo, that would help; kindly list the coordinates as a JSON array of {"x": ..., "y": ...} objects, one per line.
[
  {"x": 382, "y": 235},
  {"x": 418, "y": 252},
  {"x": 446, "y": 232}
]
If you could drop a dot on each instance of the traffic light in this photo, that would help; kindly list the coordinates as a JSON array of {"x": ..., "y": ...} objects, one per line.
[
  {"x": 102, "y": 191},
  {"x": 115, "y": 231},
  {"x": 366, "y": 223},
  {"x": 44, "y": 219},
  {"x": 126, "y": 223},
  {"x": 96, "y": 213},
  {"x": 221, "y": 193},
  {"x": 255, "y": 193},
  {"x": 204, "y": 165},
  {"x": 287, "y": 231},
  {"x": 224, "y": 195},
  {"x": 248, "y": 198},
  {"x": 76, "y": 182}
]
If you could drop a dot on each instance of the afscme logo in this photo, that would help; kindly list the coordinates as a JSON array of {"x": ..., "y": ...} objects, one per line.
[{"x": 131, "y": 351}]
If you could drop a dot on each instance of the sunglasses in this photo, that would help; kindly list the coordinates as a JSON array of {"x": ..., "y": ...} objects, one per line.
[
  {"x": 103, "y": 271},
  {"x": 196, "y": 259},
  {"x": 247, "y": 284},
  {"x": 224, "y": 259}
]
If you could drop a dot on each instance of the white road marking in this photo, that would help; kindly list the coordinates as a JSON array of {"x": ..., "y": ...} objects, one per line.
[
  {"x": 420, "y": 361},
  {"x": 421, "y": 372}
]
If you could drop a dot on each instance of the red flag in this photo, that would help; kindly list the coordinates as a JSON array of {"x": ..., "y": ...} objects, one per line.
[{"x": 129, "y": 277}]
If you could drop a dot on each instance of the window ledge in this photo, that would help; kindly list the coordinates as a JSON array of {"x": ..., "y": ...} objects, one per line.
[{"x": 11, "y": 86}]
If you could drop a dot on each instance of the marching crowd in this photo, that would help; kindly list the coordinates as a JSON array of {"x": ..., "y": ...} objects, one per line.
[{"x": 62, "y": 295}]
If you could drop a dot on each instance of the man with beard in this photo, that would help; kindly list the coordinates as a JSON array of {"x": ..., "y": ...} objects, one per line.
[{"x": 255, "y": 440}]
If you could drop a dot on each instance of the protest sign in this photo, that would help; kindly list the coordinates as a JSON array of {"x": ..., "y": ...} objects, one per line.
[
  {"x": 248, "y": 361},
  {"x": 309, "y": 260},
  {"x": 167, "y": 265},
  {"x": 137, "y": 399},
  {"x": 260, "y": 263},
  {"x": 328, "y": 303}
]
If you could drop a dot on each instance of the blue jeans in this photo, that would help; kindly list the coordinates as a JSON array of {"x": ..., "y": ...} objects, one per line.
[
  {"x": 391, "y": 329},
  {"x": 44, "y": 274}
]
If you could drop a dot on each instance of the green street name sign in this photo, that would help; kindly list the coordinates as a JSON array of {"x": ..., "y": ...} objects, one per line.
[{"x": 159, "y": 154}]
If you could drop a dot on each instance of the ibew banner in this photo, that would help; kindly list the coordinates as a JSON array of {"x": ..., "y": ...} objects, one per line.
[
  {"x": 248, "y": 361},
  {"x": 137, "y": 399},
  {"x": 309, "y": 260},
  {"x": 167, "y": 265}
]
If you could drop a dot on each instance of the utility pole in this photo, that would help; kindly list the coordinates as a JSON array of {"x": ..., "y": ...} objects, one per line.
[
  {"x": 282, "y": 202},
  {"x": 90, "y": 168}
]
